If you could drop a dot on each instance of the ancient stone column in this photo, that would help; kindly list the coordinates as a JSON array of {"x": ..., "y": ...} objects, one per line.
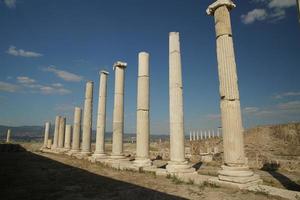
[
  {"x": 235, "y": 168},
  {"x": 8, "y": 136},
  {"x": 177, "y": 161},
  {"x": 201, "y": 135},
  {"x": 67, "y": 145},
  {"x": 209, "y": 135},
  {"x": 61, "y": 132},
  {"x": 76, "y": 130},
  {"x": 87, "y": 119},
  {"x": 46, "y": 134},
  {"x": 191, "y": 138},
  {"x": 101, "y": 118},
  {"x": 197, "y": 135},
  {"x": 194, "y": 136},
  {"x": 118, "y": 114},
  {"x": 142, "y": 122},
  {"x": 55, "y": 134},
  {"x": 49, "y": 143}
]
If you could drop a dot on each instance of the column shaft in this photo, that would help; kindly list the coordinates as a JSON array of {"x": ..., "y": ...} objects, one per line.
[
  {"x": 61, "y": 132},
  {"x": 8, "y": 136},
  {"x": 67, "y": 145},
  {"x": 101, "y": 118},
  {"x": 175, "y": 100},
  {"x": 118, "y": 114},
  {"x": 46, "y": 134},
  {"x": 55, "y": 134},
  {"x": 76, "y": 129},
  {"x": 87, "y": 119},
  {"x": 142, "y": 123}
]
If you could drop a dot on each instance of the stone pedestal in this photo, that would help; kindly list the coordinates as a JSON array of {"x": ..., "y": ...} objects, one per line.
[
  {"x": 76, "y": 131},
  {"x": 235, "y": 169},
  {"x": 177, "y": 161},
  {"x": 55, "y": 134},
  {"x": 87, "y": 120},
  {"x": 142, "y": 122},
  {"x": 101, "y": 118},
  {"x": 8, "y": 136},
  {"x": 46, "y": 134},
  {"x": 61, "y": 132},
  {"x": 67, "y": 145},
  {"x": 118, "y": 114},
  {"x": 49, "y": 143}
]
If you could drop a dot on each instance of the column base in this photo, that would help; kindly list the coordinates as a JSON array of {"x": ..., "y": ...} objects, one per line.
[
  {"x": 179, "y": 167},
  {"x": 97, "y": 157},
  {"x": 142, "y": 162},
  {"x": 72, "y": 151},
  {"x": 238, "y": 175},
  {"x": 117, "y": 156}
]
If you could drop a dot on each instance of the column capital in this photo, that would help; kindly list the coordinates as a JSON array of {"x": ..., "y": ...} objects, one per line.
[
  {"x": 104, "y": 72},
  {"x": 214, "y": 6},
  {"x": 120, "y": 64}
]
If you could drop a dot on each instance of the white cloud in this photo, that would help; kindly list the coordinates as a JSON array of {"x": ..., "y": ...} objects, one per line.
[
  {"x": 286, "y": 94},
  {"x": 25, "y": 80},
  {"x": 10, "y": 3},
  {"x": 47, "y": 90},
  {"x": 254, "y": 15},
  {"x": 57, "y": 85},
  {"x": 65, "y": 75},
  {"x": 250, "y": 110},
  {"x": 12, "y": 50},
  {"x": 8, "y": 87},
  {"x": 291, "y": 105},
  {"x": 281, "y": 3},
  {"x": 272, "y": 11}
]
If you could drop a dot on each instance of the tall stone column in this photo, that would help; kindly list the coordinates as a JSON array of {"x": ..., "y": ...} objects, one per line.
[
  {"x": 101, "y": 118},
  {"x": 46, "y": 134},
  {"x": 118, "y": 115},
  {"x": 55, "y": 134},
  {"x": 197, "y": 135},
  {"x": 142, "y": 116},
  {"x": 67, "y": 145},
  {"x": 191, "y": 138},
  {"x": 87, "y": 119},
  {"x": 8, "y": 136},
  {"x": 177, "y": 161},
  {"x": 61, "y": 132},
  {"x": 76, "y": 130},
  {"x": 235, "y": 167}
]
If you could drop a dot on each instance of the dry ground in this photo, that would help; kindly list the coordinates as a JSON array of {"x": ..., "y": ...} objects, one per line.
[{"x": 32, "y": 175}]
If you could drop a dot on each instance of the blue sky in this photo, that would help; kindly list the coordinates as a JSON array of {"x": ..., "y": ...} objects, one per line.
[{"x": 49, "y": 49}]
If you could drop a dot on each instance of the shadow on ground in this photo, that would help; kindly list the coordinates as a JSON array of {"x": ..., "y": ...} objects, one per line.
[
  {"x": 286, "y": 182},
  {"x": 24, "y": 175}
]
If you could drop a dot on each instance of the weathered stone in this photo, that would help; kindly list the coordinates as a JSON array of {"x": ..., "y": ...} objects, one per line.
[
  {"x": 76, "y": 130},
  {"x": 55, "y": 134},
  {"x": 61, "y": 132},
  {"x": 46, "y": 134},
  {"x": 87, "y": 119},
  {"x": 67, "y": 145},
  {"x": 118, "y": 115},
  {"x": 8, "y": 136}
]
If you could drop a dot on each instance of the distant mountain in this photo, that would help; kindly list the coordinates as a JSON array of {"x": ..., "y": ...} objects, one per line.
[{"x": 27, "y": 133}]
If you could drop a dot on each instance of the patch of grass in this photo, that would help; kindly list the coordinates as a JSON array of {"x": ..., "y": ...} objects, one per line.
[
  {"x": 176, "y": 180},
  {"x": 190, "y": 182},
  {"x": 207, "y": 184}
]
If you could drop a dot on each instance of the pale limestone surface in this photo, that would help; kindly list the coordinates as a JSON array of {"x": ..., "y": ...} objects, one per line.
[
  {"x": 67, "y": 145},
  {"x": 49, "y": 143},
  {"x": 118, "y": 113},
  {"x": 143, "y": 99},
  {"x": 87, "y": 119},
  {"x": 61, "y": 132},
  {"x": 235, "y": 169},
  {"x": 177, "y": 161},
  {"x": 76, "y": 131},
  {"x": 101, "y": 118},
  {"x": 8, "y": 136},
  {"x": 46, "y": 134},
  {"x": 55, "y": 134}
]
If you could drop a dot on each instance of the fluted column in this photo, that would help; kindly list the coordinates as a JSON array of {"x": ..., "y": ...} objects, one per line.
[
  {"x": 61, "y": 132},
  {"x": 8, "y": 136},
  {"x": 55, "y": 134},
  {"x": 67, "y": 145},
  {"x": 118, "y": 115},
  {"x": 101, "y": 118},
  {"x": 87, "y": 119},
  {"x": 177, "y": 150},
  {"x": 142, "y": 122},
  {"x": 76, "y": 130},
  {"x": 46, "y": 134},
  {"x": 235, "y": 168}
]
